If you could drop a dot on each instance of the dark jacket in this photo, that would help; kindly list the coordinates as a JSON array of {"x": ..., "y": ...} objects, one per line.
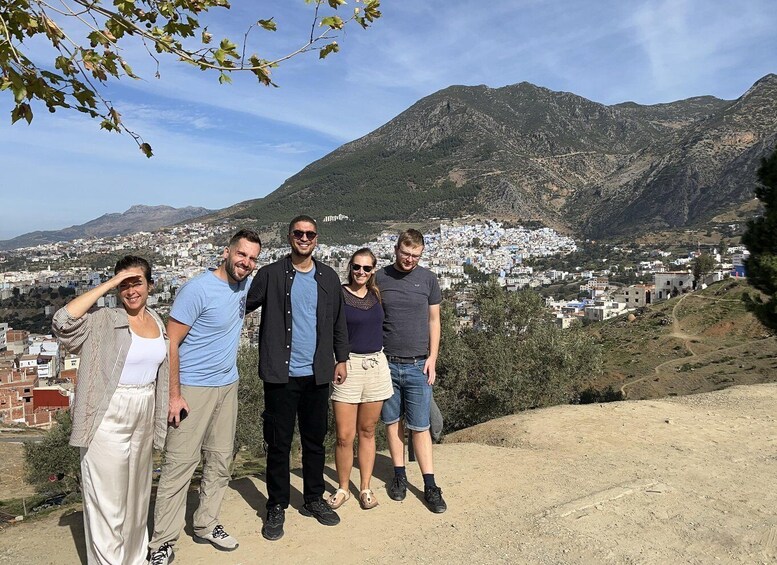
[{"x": 271, "y": 289}]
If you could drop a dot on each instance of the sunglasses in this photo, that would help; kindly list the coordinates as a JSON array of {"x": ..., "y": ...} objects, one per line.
[
  {"x": 365, "y": 268},
  {"x": 300, "y": 234}
]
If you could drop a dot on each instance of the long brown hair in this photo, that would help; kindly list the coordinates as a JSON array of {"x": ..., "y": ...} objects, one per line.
[{"x": 371, "y": 284}]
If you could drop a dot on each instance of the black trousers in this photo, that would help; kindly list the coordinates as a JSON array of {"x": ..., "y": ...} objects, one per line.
[{"x": 303, "y": 400}]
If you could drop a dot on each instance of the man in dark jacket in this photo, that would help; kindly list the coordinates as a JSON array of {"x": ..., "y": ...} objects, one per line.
[{"x": 303, "y": 345}]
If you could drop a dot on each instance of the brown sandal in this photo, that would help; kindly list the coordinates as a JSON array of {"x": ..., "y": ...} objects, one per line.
[{"x": 367, "y": 499}]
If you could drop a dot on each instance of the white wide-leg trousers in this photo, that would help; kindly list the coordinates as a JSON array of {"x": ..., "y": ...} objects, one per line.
[{"x": 116, "y": 476}]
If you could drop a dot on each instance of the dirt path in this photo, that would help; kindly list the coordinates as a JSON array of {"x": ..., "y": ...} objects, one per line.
[
  {"x": 670, "y": 367},
  {"x": 683, "y": 480},
  {"x": 677, "y": 332}
]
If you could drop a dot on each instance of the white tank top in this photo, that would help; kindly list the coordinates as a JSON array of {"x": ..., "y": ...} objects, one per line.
[{"x": 143, "y": 359}]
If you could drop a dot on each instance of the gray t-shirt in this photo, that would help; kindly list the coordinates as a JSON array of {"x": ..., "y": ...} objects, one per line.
[{"x": 406, "y": 300}]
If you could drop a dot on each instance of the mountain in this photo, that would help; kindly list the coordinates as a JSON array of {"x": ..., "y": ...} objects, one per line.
[
  {"x": 524, "y": 152},
  {"x": 138, "y": 218}
]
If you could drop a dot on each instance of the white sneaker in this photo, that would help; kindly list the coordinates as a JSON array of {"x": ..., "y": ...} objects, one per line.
[
  {"x": 161, "y": 556},
  {"x": 218, "y": 538}
]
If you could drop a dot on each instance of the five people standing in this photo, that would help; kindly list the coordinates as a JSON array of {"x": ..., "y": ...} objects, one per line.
[{"x": 313, "y": 332}]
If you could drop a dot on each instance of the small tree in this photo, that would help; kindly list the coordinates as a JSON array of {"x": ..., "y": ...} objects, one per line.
[
  {"x": 513, "y": 359},
  {"x": 702, "y": 266},
  {"x": 53, "y": 465},
  {"x": 250, "y": 398},
  {"x": 761, "y": 241}
]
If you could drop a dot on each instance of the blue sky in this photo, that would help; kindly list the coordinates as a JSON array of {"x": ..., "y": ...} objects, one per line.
[{"x": 216, "y": 145}]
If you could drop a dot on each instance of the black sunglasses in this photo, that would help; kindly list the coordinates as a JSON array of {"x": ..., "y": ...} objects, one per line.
[
  {"x": 300, "y": 234},
  {"x": 357, "y": 267}
]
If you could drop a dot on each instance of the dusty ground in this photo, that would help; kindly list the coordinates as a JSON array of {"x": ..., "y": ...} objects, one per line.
[
  {"x": 11, "y": 468},
  {"x": 682, "y": 480}
]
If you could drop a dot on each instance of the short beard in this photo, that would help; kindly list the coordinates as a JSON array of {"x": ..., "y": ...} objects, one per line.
[{"x": 229, "y": 266}]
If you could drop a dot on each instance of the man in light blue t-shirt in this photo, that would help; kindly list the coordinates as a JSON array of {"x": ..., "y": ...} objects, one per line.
[{"x": 204, "y": 332}]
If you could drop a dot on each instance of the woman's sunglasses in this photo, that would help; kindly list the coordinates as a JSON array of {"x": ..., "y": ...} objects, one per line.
[{"x": 357, "y": 267}]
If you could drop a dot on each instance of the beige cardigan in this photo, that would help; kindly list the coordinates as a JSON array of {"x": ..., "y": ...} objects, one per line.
[{"x": 103, "y": 339}]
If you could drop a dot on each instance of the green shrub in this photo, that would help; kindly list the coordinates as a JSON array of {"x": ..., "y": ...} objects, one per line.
[{"x": 53, "y": 465}]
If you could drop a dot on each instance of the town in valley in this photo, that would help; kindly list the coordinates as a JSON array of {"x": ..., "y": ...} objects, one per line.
[{"x": 37, "y": 378}]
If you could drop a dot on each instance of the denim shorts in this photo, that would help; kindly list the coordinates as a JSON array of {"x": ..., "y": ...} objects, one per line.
[{"x": 412, "y": 396}]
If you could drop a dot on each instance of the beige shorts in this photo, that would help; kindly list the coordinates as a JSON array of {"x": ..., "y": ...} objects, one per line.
[{"x": 369, "y": 380}]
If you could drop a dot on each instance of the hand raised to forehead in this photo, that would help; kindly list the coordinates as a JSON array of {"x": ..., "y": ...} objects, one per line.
[{"x": 124, "y": 275}]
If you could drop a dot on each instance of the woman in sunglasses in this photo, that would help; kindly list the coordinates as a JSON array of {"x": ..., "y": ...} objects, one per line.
[{"x": 358, "y": 401}]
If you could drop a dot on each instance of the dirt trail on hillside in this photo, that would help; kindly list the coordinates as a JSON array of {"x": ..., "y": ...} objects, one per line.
[
  {"x": 699, "y": 355},
  {"x": 682, "y": 480}
]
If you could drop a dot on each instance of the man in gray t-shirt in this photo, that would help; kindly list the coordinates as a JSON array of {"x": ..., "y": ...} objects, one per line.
[{"x": 411, "y": 341}]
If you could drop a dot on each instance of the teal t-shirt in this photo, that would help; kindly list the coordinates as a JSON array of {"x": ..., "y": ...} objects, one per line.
[
  {"x": 304, "y": 300},
  {"x": 215, "y": 310}
]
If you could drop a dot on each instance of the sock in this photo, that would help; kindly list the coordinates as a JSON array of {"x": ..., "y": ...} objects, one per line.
[
  {"x": 400, "y": 472},
  {"x": 429, "y": 480}
]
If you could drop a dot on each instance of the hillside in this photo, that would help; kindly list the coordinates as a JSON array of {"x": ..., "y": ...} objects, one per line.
[
  {"x": 136, "y": 219},
  {"x": 524, "y": 152},
  {"x": 681, "y": 480},
  {"x": 698, "y": 342}
]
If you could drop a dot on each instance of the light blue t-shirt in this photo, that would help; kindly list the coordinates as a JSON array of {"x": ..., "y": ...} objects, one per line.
[
  {"x": 304, "y": 300},
  {"x": 215, "y": 310}
]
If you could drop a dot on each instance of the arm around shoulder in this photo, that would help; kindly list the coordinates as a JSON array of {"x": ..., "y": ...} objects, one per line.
[{"x": 257, "y": 292}]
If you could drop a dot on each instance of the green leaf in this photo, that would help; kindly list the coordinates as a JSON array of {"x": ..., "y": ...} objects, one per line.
[
  {"x": 227, "y": 45},
  {"x": 331, "y": 48},
  {"x": 108, "y": 125},
  {"x": 146, "y": 149},
  {"x": 335, "y": 3},
  {"x": 371, "y": 11},
  {"x": 269, "y": 25},
  {"x": 334, "y": 22},
  {"x": 224, "y": 79},
  {"x": 128, "y": 69},
  {"x": 22, "y": 110}
]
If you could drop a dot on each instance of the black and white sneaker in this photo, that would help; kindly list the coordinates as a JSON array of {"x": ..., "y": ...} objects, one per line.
[
  {"x": 161, "y": 556},
  {"x": 218, "y": 538},
  {"x": 321, "y": 511},
  {"x": 273, "y": 524}
]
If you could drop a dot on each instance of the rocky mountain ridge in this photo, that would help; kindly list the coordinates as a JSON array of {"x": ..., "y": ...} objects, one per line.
[
  {"x": 525, "y": 152},
  {"x": 136, "y": 219}
]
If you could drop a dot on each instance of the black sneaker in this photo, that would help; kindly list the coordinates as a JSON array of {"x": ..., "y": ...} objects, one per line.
[
  {"x": 161, "y": 556},
  {"x": 321, "y": 511},
  {"x": 433, "y": 498},
  {"x": 397, "y": 488},
  {"x": 273, "y": 524}
]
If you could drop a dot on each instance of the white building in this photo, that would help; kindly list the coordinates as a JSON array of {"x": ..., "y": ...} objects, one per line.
[
  {"x": 634, "y": 296},
  {"x": 671, "y": 283},
  {"x": 602, "y": 310}
]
